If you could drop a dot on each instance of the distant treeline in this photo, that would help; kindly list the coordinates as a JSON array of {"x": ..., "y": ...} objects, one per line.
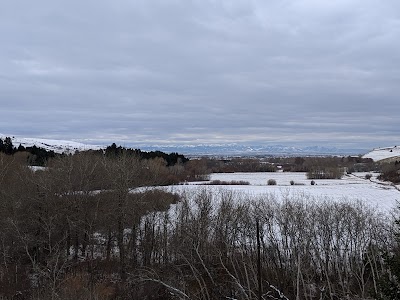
[
  {"x": 39, "y": 156},
  {"x": 171, "y": 159}
]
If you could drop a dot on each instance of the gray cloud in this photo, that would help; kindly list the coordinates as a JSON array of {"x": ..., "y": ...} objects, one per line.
[{"x": 291, "y": 71}]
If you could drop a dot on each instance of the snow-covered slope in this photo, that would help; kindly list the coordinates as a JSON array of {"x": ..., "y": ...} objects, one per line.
[
  {"x": 58, "y": 146},
  {"x": 383, "y": 153}
]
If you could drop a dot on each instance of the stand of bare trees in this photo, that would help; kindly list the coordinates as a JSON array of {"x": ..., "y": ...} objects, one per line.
[
  {"x": 309, "y": 249},
  {"x": 67, "y": 225}
]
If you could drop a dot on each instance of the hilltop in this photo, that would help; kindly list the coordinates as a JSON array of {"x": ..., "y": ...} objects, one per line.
[
  {"x": 379, "y": 154},
  {"x": 58, "y": 146}
]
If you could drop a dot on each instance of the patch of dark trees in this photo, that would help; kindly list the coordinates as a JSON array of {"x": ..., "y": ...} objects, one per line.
[
  {"x": 38, "y": 156},
  {"x": 391, "y": 172},
  {"x": 171, "y": 159}
]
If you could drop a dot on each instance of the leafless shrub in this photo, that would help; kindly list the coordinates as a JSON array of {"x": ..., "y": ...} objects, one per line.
[{"x": 222, "y": 182}]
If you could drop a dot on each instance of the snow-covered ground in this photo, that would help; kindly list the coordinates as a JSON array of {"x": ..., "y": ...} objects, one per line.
[
  {"x": 58, "y": 146},
  {"x": 383, "y": 153},
  {"x": 380, "y": 195}
]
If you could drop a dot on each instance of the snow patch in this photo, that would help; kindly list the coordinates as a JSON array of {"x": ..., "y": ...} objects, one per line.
[
  {"x": 58, "y": 146},
  {"x": 383, "y": 153}
]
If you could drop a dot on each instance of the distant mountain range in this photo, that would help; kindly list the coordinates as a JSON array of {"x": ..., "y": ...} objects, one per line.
[
  {"x": 247, "y": 150},
  {"x": 60, "y": 146}
]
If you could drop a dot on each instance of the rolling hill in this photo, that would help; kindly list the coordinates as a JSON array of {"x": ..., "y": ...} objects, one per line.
[
  {"x": 379, "y": 154},
  {"x": 58, "y": 146}
]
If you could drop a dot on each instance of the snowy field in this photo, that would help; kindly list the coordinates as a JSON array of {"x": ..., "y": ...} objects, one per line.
[{"x": 380, "y": 195}]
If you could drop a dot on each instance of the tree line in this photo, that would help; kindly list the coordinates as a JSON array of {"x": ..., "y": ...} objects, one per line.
[
  {"x": 171, "y": 158},
  {"x": 329, "y": 166},
  {"x": 37, "y": 156}
]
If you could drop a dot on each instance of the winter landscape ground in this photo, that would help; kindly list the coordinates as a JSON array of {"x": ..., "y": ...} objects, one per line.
[{"x": 381, "y": 195}]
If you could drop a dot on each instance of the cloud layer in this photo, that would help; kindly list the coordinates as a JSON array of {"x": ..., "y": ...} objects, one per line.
[{"x": 182, "y": 71}]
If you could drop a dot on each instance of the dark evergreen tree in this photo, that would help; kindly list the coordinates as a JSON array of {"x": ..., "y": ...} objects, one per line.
[
  {"x": 8, "y": 146},
  {"x": 113, "y": 150},
  {"x": 39, "y": 156}
]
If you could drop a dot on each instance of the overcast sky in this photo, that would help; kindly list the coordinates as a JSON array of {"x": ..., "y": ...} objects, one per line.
[{"x": 296, "y": 72}]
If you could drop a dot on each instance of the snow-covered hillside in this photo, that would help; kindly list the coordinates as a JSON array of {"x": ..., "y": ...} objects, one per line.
[
  {"x": 58, "y": 146},
  {"x": 383, "y": 153}
]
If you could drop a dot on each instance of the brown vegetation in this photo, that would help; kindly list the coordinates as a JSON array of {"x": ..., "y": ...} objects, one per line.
[
  {"x": 391, "y": 172},
  {"x": 232, "y": 182}
]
